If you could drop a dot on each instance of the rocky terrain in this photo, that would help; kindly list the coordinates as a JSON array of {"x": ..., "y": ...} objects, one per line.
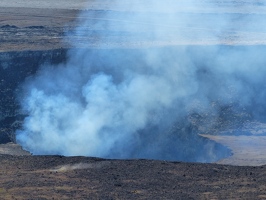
[
  {"x": 35, "y": 33},
  {"x": 57, "y": 177}
]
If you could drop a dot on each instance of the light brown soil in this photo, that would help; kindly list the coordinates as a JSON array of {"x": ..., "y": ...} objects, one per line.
[
  {"x": 13, "y": 149},
  {"x": 247, "y": 150}
]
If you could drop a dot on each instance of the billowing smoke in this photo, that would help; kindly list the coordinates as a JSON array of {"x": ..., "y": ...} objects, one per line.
[{"x": 134, "y": 86}]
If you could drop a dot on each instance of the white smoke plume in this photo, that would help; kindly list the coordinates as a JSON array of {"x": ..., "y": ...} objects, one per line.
[
  {"x": 126, "y": 82},
  {"x": 65, "y": 168}
]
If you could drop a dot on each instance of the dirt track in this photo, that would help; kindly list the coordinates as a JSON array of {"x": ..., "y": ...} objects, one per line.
[{"x": 37, "y": 25}]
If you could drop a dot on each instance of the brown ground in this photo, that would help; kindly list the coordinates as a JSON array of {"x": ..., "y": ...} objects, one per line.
[
  {"x": 33, "y": 28},
  {"x": 38, "y": 25},
  {"x": 55, "y": 177}
]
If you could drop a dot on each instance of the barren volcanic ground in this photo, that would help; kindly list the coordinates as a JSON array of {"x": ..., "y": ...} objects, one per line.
[
  {"x": 36, "y": 29},
  {"x": 56, "y": 177}
]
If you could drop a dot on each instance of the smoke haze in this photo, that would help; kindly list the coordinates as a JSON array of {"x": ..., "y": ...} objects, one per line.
[{"x": 134, "y": 86}]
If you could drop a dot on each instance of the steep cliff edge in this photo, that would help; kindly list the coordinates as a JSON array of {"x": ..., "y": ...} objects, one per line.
[{"x": 14, "y": 68}]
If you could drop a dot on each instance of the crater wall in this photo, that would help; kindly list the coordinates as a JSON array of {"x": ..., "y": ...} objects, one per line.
[{"x": 14, "y": 68}]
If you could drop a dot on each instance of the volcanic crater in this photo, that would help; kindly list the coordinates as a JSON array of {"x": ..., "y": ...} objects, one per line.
[{"x": 31, "y": 37}]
